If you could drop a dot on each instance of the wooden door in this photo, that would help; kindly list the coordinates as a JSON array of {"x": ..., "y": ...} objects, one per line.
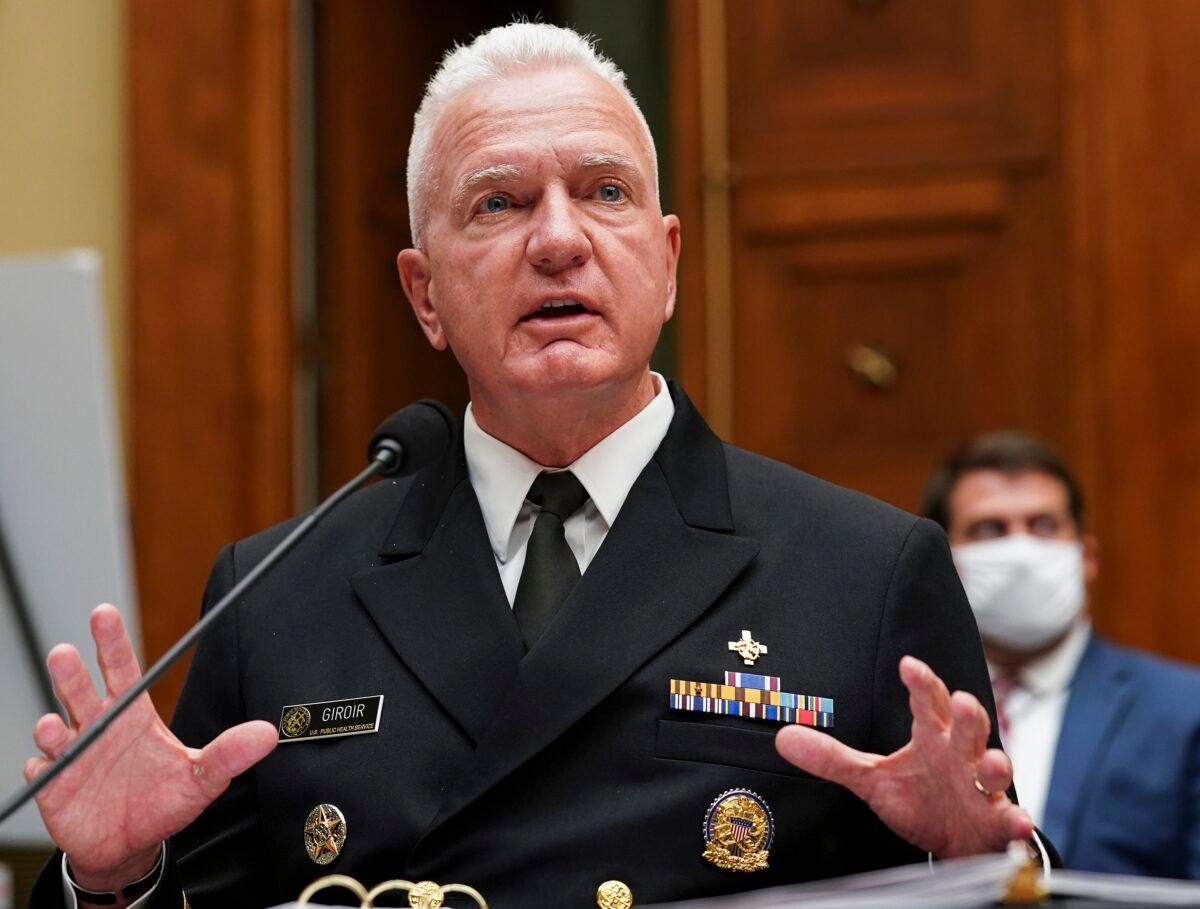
[{"x": 894, "y": 232}]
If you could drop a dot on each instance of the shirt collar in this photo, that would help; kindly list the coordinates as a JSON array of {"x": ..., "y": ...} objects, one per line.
[
  {"x": 501, "y": 475},
  {"x": 1053, "y": 671}
]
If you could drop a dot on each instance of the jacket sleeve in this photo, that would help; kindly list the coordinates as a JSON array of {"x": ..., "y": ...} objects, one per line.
[{"x": 925, "y": 615}]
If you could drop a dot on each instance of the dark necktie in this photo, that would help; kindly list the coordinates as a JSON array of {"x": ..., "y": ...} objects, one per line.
[{"x": 550, "y": 568}]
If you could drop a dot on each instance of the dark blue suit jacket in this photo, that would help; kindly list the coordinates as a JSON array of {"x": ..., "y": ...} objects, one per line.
[{"x": 1125, "y": 789}]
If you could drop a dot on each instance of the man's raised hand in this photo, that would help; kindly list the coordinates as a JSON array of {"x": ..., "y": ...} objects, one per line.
[
  {"x": 137, "y": 784},
  {"x": 933, "y": 792}
]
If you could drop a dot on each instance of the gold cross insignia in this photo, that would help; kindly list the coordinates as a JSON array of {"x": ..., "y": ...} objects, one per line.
[{"x": 748, "y": 648}]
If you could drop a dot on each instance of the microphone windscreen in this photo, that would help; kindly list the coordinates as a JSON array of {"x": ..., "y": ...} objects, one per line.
[{"x": 422, "y": 432}]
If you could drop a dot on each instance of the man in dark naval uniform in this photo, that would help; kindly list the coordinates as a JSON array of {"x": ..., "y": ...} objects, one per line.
[{"x": 559, "y": 657}]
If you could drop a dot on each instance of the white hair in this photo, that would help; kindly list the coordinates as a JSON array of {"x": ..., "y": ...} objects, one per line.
[{"x": 492, "y": 56}]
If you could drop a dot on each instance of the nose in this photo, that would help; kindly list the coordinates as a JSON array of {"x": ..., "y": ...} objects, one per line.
[{"x": 557, "y": 240}]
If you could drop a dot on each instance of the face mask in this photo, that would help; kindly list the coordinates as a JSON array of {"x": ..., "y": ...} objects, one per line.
[{"x": 1024, "y": 590}]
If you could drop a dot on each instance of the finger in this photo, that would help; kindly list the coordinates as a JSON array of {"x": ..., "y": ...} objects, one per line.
[
  {"x": 994, "y": 770},
  {"x": 51, "y": 734},
  {"x": 1018, "y": 823},
  {"x": 233, "y": 752},
  {"x": 73, "y": 684},
  {"x": 928, "y": 697},
  {"x": 34, "y": 767},
  {"x": 969, "y": 731},
  {"x": 114, "y": 651},
  {"x": 824, "y": 756}
]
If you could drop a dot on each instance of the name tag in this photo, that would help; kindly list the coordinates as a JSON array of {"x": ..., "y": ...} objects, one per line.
[{"x": 330, "y": 719}]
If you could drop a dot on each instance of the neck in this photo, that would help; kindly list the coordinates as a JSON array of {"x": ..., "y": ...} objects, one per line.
[
  {"x": 555, "y": 431},
  {"x": 1010, "y": 660}
]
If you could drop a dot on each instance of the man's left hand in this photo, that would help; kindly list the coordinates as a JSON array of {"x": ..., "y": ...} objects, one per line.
[{"x": 944, "y": 791}]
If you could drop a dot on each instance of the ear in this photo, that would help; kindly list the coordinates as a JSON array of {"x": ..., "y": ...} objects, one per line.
[
  {"x": 1091, "y": 558},
  {"x": 417, "y": 279},
  {"x": 672, "y": 236}
]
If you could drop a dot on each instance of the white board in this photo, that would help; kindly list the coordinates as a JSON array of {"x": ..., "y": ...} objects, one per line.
[{"x": 62, "y": 490}]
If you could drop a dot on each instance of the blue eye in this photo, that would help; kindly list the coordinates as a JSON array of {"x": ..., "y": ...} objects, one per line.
[
  {"x": 493, "y": 204},
  {"x": 610, "y": 192}
]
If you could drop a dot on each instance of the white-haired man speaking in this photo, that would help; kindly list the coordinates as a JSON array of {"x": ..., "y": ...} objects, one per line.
[{"x": 593, "y": 644}]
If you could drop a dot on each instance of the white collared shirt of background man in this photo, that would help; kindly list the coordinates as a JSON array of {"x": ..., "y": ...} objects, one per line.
[{"x": 1034, "y": 710}]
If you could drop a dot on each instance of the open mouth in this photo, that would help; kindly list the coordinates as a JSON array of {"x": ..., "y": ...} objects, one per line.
[{"x": 557, "y": 309}]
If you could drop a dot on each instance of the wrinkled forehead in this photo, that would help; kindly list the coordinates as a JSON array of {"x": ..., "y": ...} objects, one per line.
[{"x": 550, "y": 117}]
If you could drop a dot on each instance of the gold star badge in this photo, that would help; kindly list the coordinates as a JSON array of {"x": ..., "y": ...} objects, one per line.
[
  {"x": 324, "y": 833},
  {"x": 748, "y": 648}
]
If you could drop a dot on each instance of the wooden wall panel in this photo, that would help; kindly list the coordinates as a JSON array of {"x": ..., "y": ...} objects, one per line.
[
  {"x": 686, "y": 113},
  {"x": 211, "y": 337},
  {"x": 1134, "y": 167},
  {"x": 831, "y": 85}
]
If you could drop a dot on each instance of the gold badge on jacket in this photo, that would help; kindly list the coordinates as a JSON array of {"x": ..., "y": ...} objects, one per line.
[
  {"x": 748, "y": 648},
  {"x": 324, "y": 833},
  {"x": 738, "y": 831},
  {"x": 295, "y": 721},
  {"x": 614, "y": 895}
]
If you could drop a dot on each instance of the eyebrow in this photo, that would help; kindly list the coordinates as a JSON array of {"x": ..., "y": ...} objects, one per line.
[
  {"x": 617, "y": 161},
  {"x": 493, "y": 173},
  {"x": 605, "y": 159}
]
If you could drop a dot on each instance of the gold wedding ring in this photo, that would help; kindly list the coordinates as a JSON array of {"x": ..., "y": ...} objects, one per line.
[{"x": 983, "y": 790}]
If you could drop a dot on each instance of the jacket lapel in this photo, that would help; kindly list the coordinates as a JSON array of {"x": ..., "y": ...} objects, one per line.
[
  {"x": 439, "y": 601},
  {"x": 668, "y": 557},
  {"x": 1099, "y": 698}
]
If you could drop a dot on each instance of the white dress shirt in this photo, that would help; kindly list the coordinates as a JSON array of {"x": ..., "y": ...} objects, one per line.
[
  {"x": 501, "y": 476},
  {"x": 1034, "y": 710}
]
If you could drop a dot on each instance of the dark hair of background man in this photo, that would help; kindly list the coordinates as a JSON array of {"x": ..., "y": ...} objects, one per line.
[{"x": 1009, "y": 452}]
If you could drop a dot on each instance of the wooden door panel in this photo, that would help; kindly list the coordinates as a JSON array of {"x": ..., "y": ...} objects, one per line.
[
  {"x": 806, "y": 397},
  {"x": 963, "y": 303},
  {"x": 894, "y": 200},
  {"x": 830, "y": 84},
  {"x": 212, "y": 352}
]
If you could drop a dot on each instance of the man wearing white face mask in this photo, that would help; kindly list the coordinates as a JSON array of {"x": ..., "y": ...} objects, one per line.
[{"x": 1105, "y": 742}]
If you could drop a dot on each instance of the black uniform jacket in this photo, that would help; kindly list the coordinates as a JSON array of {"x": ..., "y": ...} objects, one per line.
[{"x": 536, "y": 776}]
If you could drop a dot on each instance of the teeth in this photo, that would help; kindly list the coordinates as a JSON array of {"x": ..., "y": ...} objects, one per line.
[{"x": 555, "y": 304}]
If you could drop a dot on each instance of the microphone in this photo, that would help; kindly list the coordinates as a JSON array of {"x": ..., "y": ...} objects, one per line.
[
  {"x": 413, "y": 437},
  {"x": 405, "y": 442}
]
